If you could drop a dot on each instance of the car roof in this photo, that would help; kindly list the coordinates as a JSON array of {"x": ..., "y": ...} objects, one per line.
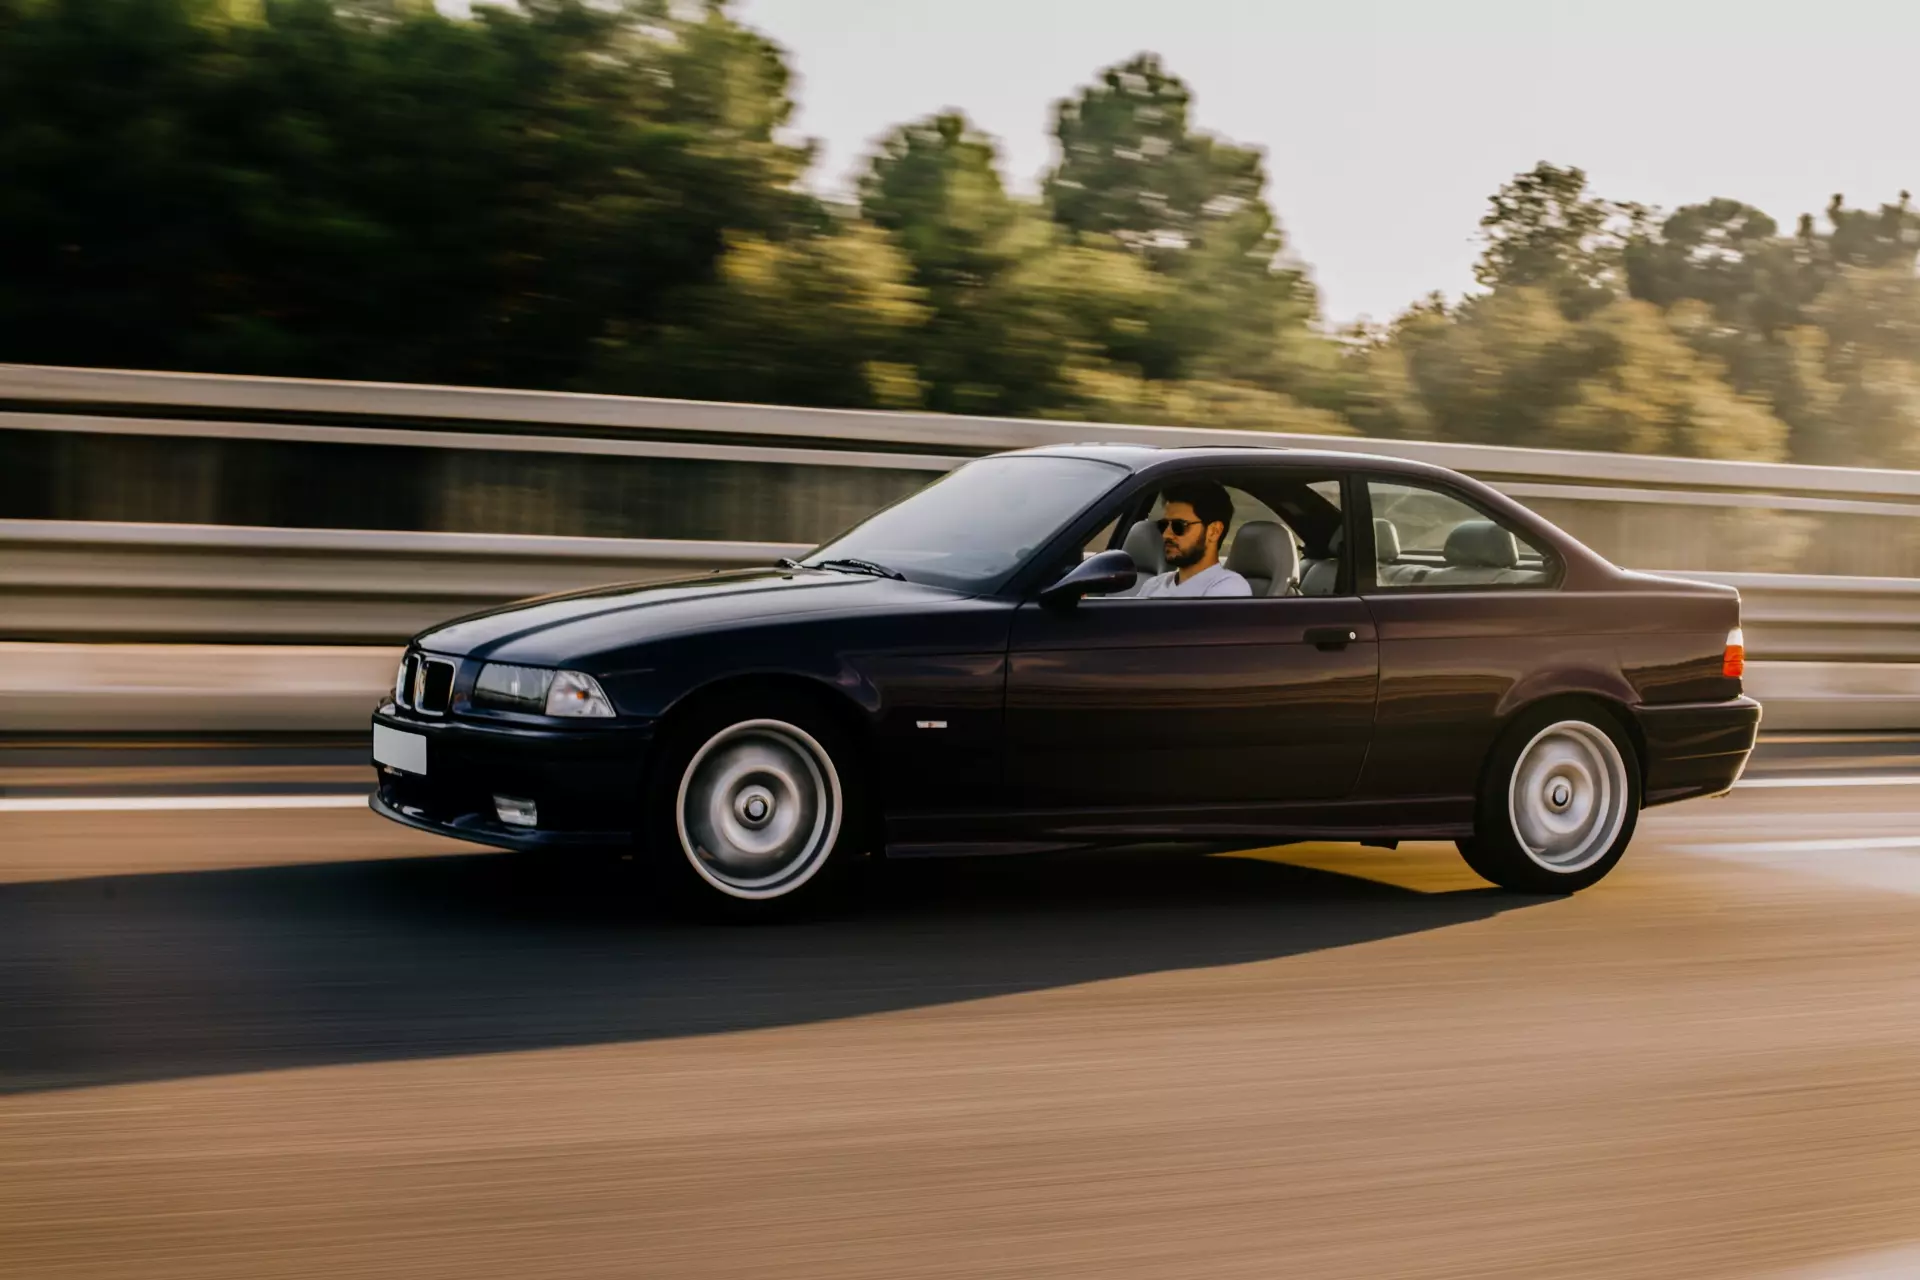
[{"x": 1143, "y": 457}]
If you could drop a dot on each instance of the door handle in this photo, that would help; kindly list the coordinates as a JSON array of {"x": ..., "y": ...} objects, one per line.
[{"x": 1331, "y": 637}]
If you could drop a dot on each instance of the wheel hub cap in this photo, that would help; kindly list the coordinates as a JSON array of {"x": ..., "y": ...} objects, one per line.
[
  {"x": 1569, "y": 796},
  {"x": 759, "y": 808},
  {"x": 754, "y": 805}
]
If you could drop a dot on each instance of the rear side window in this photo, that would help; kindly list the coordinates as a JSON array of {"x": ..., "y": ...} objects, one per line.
[{"x": 1426, "y": 538}]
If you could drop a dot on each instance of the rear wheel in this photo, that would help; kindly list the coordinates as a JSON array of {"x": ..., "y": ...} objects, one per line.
[
  {"x": 754, "y": 809},
  {"x": 1558, "y": 803}
]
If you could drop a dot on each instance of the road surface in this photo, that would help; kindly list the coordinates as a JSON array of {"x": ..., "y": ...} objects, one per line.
[{"x": 282, "y": 1042}]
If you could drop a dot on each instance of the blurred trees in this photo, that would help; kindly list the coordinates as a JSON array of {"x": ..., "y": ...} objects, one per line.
[
  {"x": 1227, "y": 313},
  {"x": 1704, "y": 332},
  {"x": 1513, "y": 368},
  {"x": 374, "y": 190},
  {"x": 1820, "y": 324},
  {"x": 995, "y": 340},
  {"x": 1144, "y": 284},
  {"x": 573, "y": 194}
]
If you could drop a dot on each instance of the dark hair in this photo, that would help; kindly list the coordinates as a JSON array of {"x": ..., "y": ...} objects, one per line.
[{"x": 1208, "y": 499}]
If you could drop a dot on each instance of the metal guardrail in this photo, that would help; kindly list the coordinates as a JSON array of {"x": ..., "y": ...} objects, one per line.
[
  {"x": 1832, "y": 649},
  {"x": 68, "y": 581},
  {"x": 1805, "y": 618},
  {"x": 62, "y": 399},
  {"x": 541, "y": 462},
  {"x": 220, "y": 584}
]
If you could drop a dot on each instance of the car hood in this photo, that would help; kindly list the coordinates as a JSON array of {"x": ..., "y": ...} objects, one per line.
[{"x": 559, "y": 629}]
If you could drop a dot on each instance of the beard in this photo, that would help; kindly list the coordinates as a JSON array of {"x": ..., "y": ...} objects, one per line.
[{"x": 1178, "y": 557}]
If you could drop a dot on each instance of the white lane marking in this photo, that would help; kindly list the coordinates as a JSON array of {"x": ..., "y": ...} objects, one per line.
[
  {"x": 1811, "y": 846},
  {"x": 1803, "y": 739},
  {"x": 1885, "y": 863},
  {"x": 79, "y": 1111},
  {"x": 148, "y": 804},
  {"x": 1846, "y": 780},
  {"x": 1894, "y": 1264}
]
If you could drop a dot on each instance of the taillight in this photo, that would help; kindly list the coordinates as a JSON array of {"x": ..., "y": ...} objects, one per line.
[{"x": 1733, "y": 663}]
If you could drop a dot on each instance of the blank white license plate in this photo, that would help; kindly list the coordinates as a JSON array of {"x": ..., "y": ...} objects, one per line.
[{"x": 406, "y": 752}]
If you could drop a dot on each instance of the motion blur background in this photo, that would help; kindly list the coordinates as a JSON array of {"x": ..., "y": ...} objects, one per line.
[
  {"x": 622, "y": 201},
  {"x": 325, "y": 320},
  {"x": 597, "y": 198}
]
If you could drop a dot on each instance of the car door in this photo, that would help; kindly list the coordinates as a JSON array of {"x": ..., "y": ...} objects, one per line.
[{"x": 1128, "y": 705}]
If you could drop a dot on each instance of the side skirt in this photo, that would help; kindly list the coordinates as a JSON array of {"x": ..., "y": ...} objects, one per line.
[{"x": 930, "y": 835}]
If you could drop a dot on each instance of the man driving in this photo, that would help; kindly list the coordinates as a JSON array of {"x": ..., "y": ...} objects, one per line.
[{"x": 1193, "y": 522}]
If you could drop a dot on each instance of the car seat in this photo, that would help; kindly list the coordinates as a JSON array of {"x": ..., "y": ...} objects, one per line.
[
  {"x": 1386, "y": 550},
  {"x": 1265, "y": 554},
  {"x": 1143, "y": 544},
  {"x": 1476, "y": 552},
  {"x": 1322, "y": 576}
]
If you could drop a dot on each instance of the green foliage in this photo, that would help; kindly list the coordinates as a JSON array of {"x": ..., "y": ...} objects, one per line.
[
  {"x": 1819, "y": 326},
  {"x": 990, "y": 344},
  {"x": 1705, "y": 332},
  {"x": 367, "y": 192},
  {"x": 1131, "y": 169},
  {"x": 1192, "y": 207},
  {"x": 935, "y": 187},
  {"x": 1147, "y": 275},
  {"x": 734, "y": 339},
  {"x": 605, "y": 196},
  {"x": 1543, "y": 230},
  {"x": 1512, "y": 368}
]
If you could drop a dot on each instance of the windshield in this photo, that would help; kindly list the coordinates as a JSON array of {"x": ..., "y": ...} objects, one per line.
[{"x": 976, "y": 524}]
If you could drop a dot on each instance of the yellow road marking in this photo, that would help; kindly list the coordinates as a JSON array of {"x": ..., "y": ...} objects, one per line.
[{"x": 1424, "y": 867}]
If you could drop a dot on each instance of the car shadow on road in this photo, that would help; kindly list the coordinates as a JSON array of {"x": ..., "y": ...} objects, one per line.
[{"x": 165, "y": 976}]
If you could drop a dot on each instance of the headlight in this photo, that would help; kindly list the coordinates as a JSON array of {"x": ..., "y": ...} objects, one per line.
[
  {"x": 540, "y": 691},
  {"x": 574, "y": 693},
  {"x": 515, "y": 688}
]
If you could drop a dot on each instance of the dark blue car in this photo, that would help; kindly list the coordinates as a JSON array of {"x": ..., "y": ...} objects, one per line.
[{"x": 1414, "y": 656}]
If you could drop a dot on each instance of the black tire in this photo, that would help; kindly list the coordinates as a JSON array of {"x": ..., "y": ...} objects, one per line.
[
  {"x": 728, "y": 776},
  {"x": 1559, "y": 800}
]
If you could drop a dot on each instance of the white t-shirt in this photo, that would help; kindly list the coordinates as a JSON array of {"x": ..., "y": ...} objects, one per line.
[{"x": 1214, "y": 580}]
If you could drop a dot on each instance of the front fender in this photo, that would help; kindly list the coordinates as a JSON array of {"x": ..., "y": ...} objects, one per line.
[{"x": 653, "y": 683}]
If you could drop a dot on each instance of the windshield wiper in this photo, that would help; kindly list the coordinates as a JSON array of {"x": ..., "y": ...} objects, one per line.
[
  {"x": 787, "y": 562},
  {"x": 861, "y": 566}
]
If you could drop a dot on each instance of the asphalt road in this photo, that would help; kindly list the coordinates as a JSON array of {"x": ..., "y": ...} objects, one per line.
[{"x": 267, "y": 1043}]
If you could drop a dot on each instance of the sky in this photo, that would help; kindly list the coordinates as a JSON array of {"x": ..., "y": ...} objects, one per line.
[{"x": 1387, "y": 124}]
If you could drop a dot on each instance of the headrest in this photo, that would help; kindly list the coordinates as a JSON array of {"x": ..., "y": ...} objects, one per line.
[
  {"x": 1481, "y": 544},
  {"x": 1263, "y": 549},
  {"x": 1143, "y": 544},
  {"x": 1386, "y": 541}
]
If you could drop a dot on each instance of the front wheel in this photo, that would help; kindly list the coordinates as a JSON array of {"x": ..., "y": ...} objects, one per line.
[
  {"x": 1558, "y": 803},
  {"x": 753, "y": 810}
]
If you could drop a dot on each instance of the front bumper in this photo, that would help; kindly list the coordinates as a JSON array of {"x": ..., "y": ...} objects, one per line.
[
  {"x": 585, "y": 783},
  {"x": 1696, "y": 748}
]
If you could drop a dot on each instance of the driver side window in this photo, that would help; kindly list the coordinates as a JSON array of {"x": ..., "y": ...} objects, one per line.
[{"x": 1280, "y": 541}]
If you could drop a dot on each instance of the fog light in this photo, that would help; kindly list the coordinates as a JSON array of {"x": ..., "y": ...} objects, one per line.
[{"x": 516, "y": 813}]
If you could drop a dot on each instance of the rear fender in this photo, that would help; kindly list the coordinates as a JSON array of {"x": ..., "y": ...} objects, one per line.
[{"x": 1593, "y": 673}]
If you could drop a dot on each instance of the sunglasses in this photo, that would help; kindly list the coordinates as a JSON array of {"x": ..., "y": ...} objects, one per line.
[{"x": 1179, "y": 527}]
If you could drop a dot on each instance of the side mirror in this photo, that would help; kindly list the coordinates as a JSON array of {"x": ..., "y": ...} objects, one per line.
[{"x": 1100, "y": 575}]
